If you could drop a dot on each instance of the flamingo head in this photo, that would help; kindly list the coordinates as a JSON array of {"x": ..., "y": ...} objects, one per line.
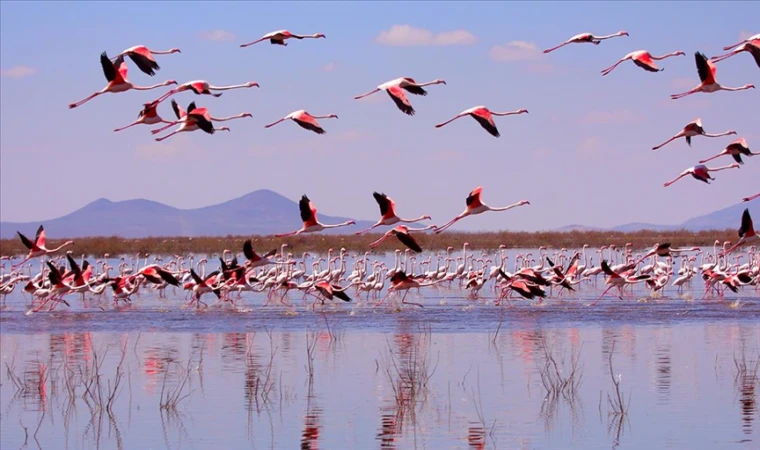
[
  {"x": 223, "y": 129},
  {"x": 169, "y": 82},
  {"x": 679, "y": 53},
  {"x": 623, "y": 33},
  {"x": 332, "y": 116},
  {"x": 351, "y": 222},
  {"x": 427, "y": 217},
  {"x": 523, "y": 111},
  {"x": 749, "y": 86},
  {"x": 320, "y": 35},
  {"x": 246, "y": 114},
  {"x": 175, "y": 50},
  {"x": 524, "y": 202},
  {"x": 439, "y": 81},
  {"x": 252, "y": 84}
]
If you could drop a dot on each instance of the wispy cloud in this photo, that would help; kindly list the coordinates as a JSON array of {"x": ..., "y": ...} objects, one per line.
[
  {"x": 18, "y": 72},
  {"x": 590, "y": 147},
  {"x": 329, "y": 67},
  {"x": 615, "y": 117},
  {"x": 407, "y": 35},
  {"x": 218, "y": 36},
  {"x": 516, "y": 51}
]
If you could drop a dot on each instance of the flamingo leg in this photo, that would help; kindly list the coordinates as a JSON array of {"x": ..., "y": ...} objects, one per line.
[
  {"x": 273, "y": 123},
  {"x": 136, "y": 122},
  {"x": 167, "y": 136},
  {"x": 368, "y": 93},
  {"x": 165, "y": 127},
  {"x": 668, "y": 141},
  {"x": 712, "y": 157},
  {"x": 600, "y": 297},
  {"x": 289, "y": 234},
  {"x": 367, "y": 229},
  {"x": 85, "y": 100},
  {"x": 684, "y": 94},
  {"x": 452, "y": 222}
]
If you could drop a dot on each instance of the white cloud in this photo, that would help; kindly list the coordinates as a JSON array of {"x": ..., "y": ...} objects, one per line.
[
  {"x": 407, "y": 35},
  {"x": 329, "y": 67},
  {"x": 218, "y": 36},
  {"x": 516, "y": 51},
  {"x": 18, "y": 72}
]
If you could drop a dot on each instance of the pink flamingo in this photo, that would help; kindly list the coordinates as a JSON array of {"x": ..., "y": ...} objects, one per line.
[
  {"x": 116, "y": 74},
  {"x": 37, "y": 248},
  {"x": 746, "y": 233},
  {"x": 305, "y": 120},
  {"x": 395, "y": 89},
  {"x": 484, "y": 116},
  {"x": 618, "y": 280},
  {"x": 278, "y": 37},
  {"x": 402, "y": 233},
  {"x": 310, "y": 222},
  {"x": 201, "y": 87},
  {"x": 194, "y": 119},
  {"x": 643, "y": 59},
  {"x": 693, "y": 128},
  {"x": 586, "y": 37},
  {"x": 751, "y": 197},
  {"x": 142, "y": 56},
  {"x": 752, "y": 47},
  {"x": 749, "y": 39},
  {"x": 709, "y": 84},
  {"x": 476, "y": 206},
  {"x": 388, "y": 213},
  {"x": 148, "y": 116},
  {"x": 736, "y": 149},
  {"x": 701, "y": 173}
]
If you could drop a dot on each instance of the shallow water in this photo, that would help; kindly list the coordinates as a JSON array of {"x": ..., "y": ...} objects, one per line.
[{"x": 455, "y": 374}]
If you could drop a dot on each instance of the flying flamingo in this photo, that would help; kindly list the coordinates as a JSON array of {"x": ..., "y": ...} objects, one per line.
[
  {"x": 476, "y": 206},
  {"x": 388, "y": 213},
  {"x": 402, "y": 233},
  {"x": 643, "y": 59},
  {"x": 148, "y": 116},
  {"x": 746, "y": 232},
  {"x": 201, "y": 87},
  {"x": 753, "y": 47},
  {"x": 751, "y": 197},
  {"x": 749, "y": 39},
  {"x": 395, "y": 89},
  {"x": 142, "y": 56},
  {"x": 194, "y": 119},
  {"x": 278, "y": 37},
  {"x": 484, "y": 116},
  {"x": 37, "y": 248},
  {"x": 736, "y": 149},
  {"x": 618, "y": 280},
  {"x": 305, "y": 120},
  {"x": 709, "y": 84},
  {"x": 586, "y": 37},
  {"x": 310, "y": 222},
  {"x": 701, "y": 173},
  {"x": 116, "y": 74},
  {"x": 693, "y": 128}
]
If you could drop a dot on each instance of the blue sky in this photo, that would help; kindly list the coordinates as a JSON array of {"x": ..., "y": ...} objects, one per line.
[{"x": 582, "y": 155}]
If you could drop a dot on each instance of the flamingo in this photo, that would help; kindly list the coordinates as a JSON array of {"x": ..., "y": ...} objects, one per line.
[
  {"x": 586, "y": 37},
  {"x": 752, "y": 47},
  {"x": 751, "y": 197},
  {"x": 116, "y": 74},
  {"x": 746, "y": 233},
  {"x": 142, "y": 56},
  {"x": 305, "y": 120},
  {"x": 749, "y": 39},
  {"x": 148, "y": 116},
  {"x": 618, "y": 280},
  {"x": 709, "y": 84},
  {"x": 476, "y": 206},
  {"x": 693, "y": 128},
  {"x": 201, "y": 87},
  {"x": 388, "y": 213},
  {"x": 736, "y": 149},
  {"x": 310, "y": 222},
  {"x": 484, "y": 116},
  {"x": 701, "y": 173},
  {"x": 278, "y": 37},
  {"x": 643, "y": 59},
  {"x": 195, "y": 118},
  {"x": 395, "y": 89},
  {"x": 37, "y": 248},
  {"x": 402, "y": 233}
]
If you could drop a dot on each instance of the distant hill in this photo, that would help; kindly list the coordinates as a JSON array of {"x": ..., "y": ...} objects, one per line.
[{"x": 260, "y": 212}]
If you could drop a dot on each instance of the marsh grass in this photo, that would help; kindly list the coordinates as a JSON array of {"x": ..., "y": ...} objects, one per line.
[{"x": 114, "y": 245}]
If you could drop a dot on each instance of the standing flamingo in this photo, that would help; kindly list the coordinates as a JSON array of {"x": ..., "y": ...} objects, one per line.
[
  {"x": 116, "y": 74},
  {"x": 310, "y": 222},
  {"x": 701, "y": 173},
  {"x": 148, "y": 116},
  {"x": 752, "y": 47},
  {"x": 749, "y": 39},
  {"x": 746, "y": 233},
  {"x": 201, "y": 87},
  {"x": 402, "y": 233},
  {"x": 586, "y": 37},
  {"x": 476, "y": 206},
  {"x": 693, "y": 128},
  {"x": 195, "y": 118},
  {"x": 37, "y": 248},
  {"x": 142, "y": 56},
  {"x": 395, "y": 89},
  {"x": 709, "y": 84},
  {"x": 484, "y": 116},
  {"x": 278, "y": 37},
  {"x": 751, "y": 197},
  {"x": 736, "y": 149},
  {"x": 388, "y": 213},
  {"x": 643, "y": 59},
  {"x": 305, "y": 120}
]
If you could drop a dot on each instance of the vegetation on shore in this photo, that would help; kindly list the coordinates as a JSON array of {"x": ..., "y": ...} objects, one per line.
[{"x": 114, "y": 245}]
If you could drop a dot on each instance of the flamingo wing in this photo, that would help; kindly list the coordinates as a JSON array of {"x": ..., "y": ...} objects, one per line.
[
  {"x": 178, "y": 111},
  {"x": 645, "y": 62},
  {"x": 473, "y": 200},
  {"x": 190, "y": 107},
  {"x": 325, "y": 289},
  {"x": 203, "y": 123},
  {"x": 746, "y": 228},
  {"x": 198, "y": 280},
  {"x": 248, "y": 251},
  {"x": 309, "y": 123},
  {"x": 308, "y": 211},
  {"x": 606, "y": 269},
  {"x": 413, "y": 88},
  {"x": 75, "y": 270},
  {"x": 399, "y": 277},
  {"x": 338, "y": 292},
  {"x": 144, "y": 61},
  {"x": 39, "y": 238},
  {"x": 385, "y": 203},
  {"x": 408, "y": 240},
  {"x": 199, "y": 87},
  {"x": 705, "y": 68},
  {"x": 25, "y": 240},
  {"x": 109, "y": 68},
  {"x": 54, "y": 275},
  {"x": 754, "y": 49},
  {"x": 485, "y": 119},
  {"x": 399, "y": 98}
]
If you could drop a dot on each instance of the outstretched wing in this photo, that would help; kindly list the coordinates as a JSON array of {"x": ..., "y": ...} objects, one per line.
[
  {"x": 414, "y": 89},
  {"x": 308, "y": 210},
  {"x": 384, "y": 202},
  {"x": 746, "y": 228},
  {"x": 310, "y": 126},
  {"x": 108, "y": 67},
  {"x": 39, "y": 238},
  {"x": 409, "y": 241},
  {"x": 473, "y": 200},
  {"x": 144, "y": 62},
  {"x": 24, "y": 240},
  {"x": 606, "y": 269},
  {"x": 705, "y": 68},
  {"x": 338, "y": 292},
  {"x": 399, "y": 98}
]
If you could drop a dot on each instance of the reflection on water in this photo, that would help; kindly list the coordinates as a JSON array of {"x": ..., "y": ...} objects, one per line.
[{"x": 415, "y": 387}]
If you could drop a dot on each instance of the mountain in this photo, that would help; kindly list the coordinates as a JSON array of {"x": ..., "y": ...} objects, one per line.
[
  {"x": 260, "y": 212},
  {"x": 719, "y": 220}
]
